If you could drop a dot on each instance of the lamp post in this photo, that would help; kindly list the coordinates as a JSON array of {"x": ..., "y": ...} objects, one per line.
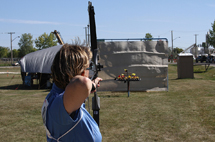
[
  {"x": 176, "y": 38},
  {"x": 87, "y": 35},
  {"x": 11, "y": 47}
]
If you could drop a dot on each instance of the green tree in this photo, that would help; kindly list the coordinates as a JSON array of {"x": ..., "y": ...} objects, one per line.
[
  {"x": 25, "y": 44},
  {"x": 177, "y": 50},
  {"x": 4, "y": 52},
  {"x": 34, "y": 49},
  {"x": 46, "y": 41},
  {"x": 15, "y": 53},
  {"x": 148, "y": 35},
  {"x": 211, "y": 36}
]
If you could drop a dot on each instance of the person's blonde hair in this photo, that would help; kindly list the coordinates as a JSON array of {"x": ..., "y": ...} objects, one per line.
[{"x": 70, "y": 60}]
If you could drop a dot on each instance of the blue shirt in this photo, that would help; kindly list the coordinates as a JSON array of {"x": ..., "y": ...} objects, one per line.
[{"x": 61, "y": 126}]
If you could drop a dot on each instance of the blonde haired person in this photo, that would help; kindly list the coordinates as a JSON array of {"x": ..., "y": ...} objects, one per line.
[{"x": 64, "y": 114}]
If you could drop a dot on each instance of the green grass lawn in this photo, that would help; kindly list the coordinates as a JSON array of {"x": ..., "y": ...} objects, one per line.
[{"x": 185, "y": 113}]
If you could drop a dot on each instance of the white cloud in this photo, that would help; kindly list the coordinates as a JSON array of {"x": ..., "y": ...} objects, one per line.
[
  {"x": 38, "y": 22},
  {"x": 29, "y": 22}
]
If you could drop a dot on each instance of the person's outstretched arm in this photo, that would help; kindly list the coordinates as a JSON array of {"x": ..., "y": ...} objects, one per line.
[{"x": 77, "y": 91}]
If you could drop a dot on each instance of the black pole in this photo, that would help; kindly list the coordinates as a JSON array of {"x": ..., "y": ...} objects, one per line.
[
  {"x": 128, "y": 88},
  {"x": 95, "y": 99},
  {"x": 128, "y": 83}
]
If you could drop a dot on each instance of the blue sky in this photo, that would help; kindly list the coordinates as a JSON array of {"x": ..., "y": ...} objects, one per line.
[{"x": 114, "y": 19}]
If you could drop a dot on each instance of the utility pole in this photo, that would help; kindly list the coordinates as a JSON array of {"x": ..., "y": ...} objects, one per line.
[
  {"x": 11, "y": 46},
  {"x": 87, "y": 35},
  {"x": 172, "y": 46},
  {"x": 88, "y": 41}
]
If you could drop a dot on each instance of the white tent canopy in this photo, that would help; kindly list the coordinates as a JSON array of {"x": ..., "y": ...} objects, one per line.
[{"x": 39, "y": 61}]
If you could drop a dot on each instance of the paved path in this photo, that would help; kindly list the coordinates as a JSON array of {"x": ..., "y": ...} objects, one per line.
[
  {"x": 9, "y": 72},
  {"x": 9, "y": 66}
]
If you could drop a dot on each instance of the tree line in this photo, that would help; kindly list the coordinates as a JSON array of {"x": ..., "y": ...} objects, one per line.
[{"x": 26, "y": 45}]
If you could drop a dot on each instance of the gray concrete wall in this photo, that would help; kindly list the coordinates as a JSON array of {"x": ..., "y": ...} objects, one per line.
[{"x": 147, "y": 59}]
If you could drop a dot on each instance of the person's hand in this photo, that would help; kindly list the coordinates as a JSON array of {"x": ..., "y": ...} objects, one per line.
[{"x": 96, "y": 83}]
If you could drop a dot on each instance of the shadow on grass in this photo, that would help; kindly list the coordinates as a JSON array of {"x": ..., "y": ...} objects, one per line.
[
  {"x": 108, "y": 96},
  {"x": 115, "y": 94},
  {"x": 199, "y": 71},
  {"x": 23, "y": 87},
  {"x": 187, "y": 78},
  {"x": 180, "y": 78},
  {"x": 202, "y": 69}
]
